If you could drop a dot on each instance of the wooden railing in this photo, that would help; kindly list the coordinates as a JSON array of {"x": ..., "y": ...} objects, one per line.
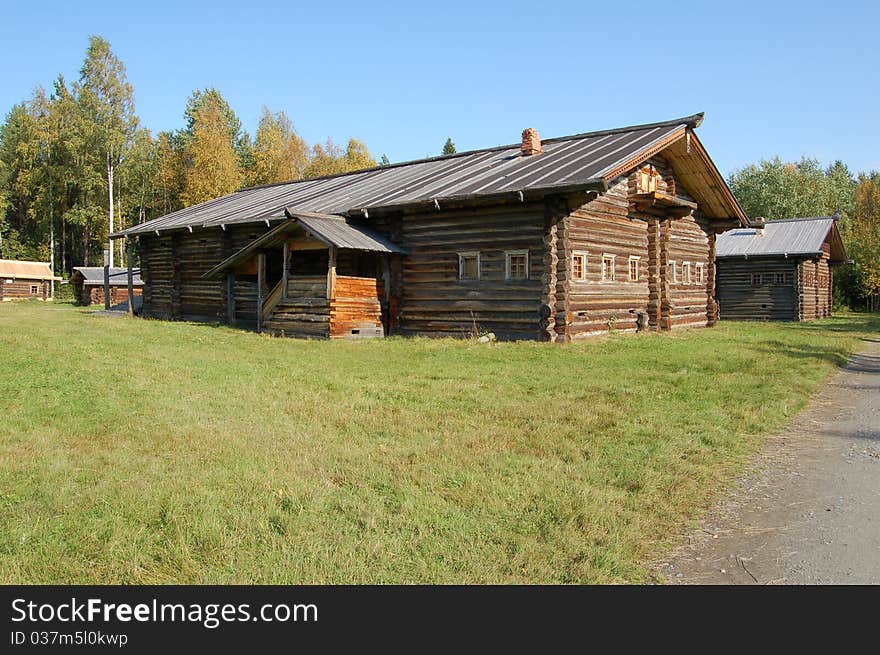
[{"x": 272, "y": 300}]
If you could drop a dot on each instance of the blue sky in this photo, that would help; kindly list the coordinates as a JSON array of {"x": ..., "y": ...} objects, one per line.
[{"x": 787, "y": 79}]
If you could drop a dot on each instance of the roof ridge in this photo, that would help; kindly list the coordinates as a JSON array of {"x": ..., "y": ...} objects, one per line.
[
  {"x": 798, "y": 218},
  {"x": 693, "y": 121}
]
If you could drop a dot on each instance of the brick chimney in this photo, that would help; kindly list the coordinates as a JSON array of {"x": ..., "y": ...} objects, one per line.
[{"x": 531, "y": 142}]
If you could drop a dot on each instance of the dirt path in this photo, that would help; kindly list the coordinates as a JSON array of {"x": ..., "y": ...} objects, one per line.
[{"x": 809, "y": 511}]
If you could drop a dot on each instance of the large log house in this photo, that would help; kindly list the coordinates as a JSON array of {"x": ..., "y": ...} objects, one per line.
[{"x": 551, "y": 240}]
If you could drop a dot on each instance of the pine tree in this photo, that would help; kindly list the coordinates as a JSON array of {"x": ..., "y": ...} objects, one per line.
[
  {"x": 214, "y": 169},
  {"x": 449, "y": 147}
]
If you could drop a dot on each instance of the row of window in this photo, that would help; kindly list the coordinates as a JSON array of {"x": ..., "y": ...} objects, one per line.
[
  {"x": 691, "y": 273},
  {"x": 516, "y": 267},
  {"x": 760, "y": 279}
]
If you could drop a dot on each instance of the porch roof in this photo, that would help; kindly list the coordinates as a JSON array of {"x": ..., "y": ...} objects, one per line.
[{"x": 330, "y": 229}]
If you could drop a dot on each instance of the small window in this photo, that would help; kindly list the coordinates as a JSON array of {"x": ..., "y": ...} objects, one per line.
[
  {"x": 672, "y": 272},
  {"x": 468, "y": 266},
  {"x": 700, "y": 273},
  {"x": 780, "y": 278},
  {"x": 685, "y": 272},
  {"x": 579, "y": 266},
  {"x": 517, "y": 264},
  {"x": 608, "y": 268},
  {"x": 756, "y": 279},
  {"x": 647, "y": 180},
  {"x": 34, "y": 289},
  {"x": 633, "y": 269}
]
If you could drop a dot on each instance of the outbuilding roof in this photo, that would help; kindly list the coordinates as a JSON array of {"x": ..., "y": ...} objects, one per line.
[
  {"x": 578, "y": 162},
  {"x": 791, "y": 236},
  {"x": 94, "y": 276},
  {"x": 24, "y": 270}
]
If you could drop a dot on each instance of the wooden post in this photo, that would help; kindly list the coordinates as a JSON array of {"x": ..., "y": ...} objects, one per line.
[
  {"x": 130, "y": 278},
  {"x": 230, "y": 297},
  {"x": 261, "y": 277},
  {"x": 550, "y": 278},
  {"x": 711, "y": 313},
  {"x": 331, "y": 274},
  {"x": 286, "y": 272},
  {"x": 106, "y": 286},
  {"x": 665, "y": 301}
]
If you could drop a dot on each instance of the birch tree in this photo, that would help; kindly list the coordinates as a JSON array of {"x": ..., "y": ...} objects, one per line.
[{"x": 107, "y": 102}]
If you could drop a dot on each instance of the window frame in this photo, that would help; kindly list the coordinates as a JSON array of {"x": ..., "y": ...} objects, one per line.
[
  {"x": 515, "y": 253},
  {"x": 700, "y": 273},
  {"x": 779, "y": 277},
  {"x": 686, "y": 276},
  {"x": 647, "y": 181},
  {"x": 672, "y": 267},
  {"x": 637, "y": 259},
  {"x": 613, "y": 258},
  {"x": 586, "y": 258},
  {"x": 758, "y": 277},
  {"x": 466, "y": 255},
  {"x": 35, "y": 289}
]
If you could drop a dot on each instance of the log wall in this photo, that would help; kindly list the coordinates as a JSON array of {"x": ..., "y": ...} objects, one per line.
[
  {"x": 604, "y": 226},
  {"x": 172, "y": 266},
  {"x": 21, "y": 289},
  {"x": 434, "y": 302},
  {"x": 814, "y": 288},
  {"x": 356, "y": 309},
  {"x": 688, "y": 242},
  {"x": 740, "y": 298}
]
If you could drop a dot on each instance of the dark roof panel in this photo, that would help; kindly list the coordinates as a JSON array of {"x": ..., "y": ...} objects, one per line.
[{"x": 94, "y": 275}]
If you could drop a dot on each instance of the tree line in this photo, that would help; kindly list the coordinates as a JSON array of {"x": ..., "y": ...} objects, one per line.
[
  {"x": 76, "y": 164},
  {"x": 774, "y": 189}
]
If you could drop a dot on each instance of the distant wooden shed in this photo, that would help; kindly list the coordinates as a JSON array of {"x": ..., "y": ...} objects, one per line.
[
  {"x": 88, "y": 284},
  {"x": 779, "y": 270},
  {"x": 20, "y": 280}
]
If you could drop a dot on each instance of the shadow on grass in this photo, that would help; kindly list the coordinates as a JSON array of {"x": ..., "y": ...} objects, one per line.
[{"x": 837, "y": 357}]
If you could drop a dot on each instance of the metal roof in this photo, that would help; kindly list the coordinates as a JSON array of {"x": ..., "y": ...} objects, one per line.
[
  {"x": 23, "y": 270},
  {"x": 94, "y": 275},
  {"x": 337, "y": 231},
  {"x": 332, "y": 230},
  {"x": 573, "y": 162},
  {"x": 791, "y": 236}
]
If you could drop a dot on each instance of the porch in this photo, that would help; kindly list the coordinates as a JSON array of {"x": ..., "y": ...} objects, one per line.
[{"x": 317, "y": 276}]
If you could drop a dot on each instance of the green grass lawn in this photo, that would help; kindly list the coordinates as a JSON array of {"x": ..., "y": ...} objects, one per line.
[{"x": 135, "y": 451}]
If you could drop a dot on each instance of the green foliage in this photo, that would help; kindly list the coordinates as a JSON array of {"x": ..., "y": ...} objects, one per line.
[
  {"x": 774, "y": 189},
  {"x": 235, "y": 458},
  {"x": 214, "y": 169},
  {"x": 449, "y": 147},
  {"x": 279, "y": 154},
  {"x": 864, "y": 234},
  {"x": 330, "y": 159}
]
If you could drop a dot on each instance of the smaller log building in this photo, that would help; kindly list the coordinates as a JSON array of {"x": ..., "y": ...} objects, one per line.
[
  {"x": 20, "y": 280},
  {"x": 88, "y": 285},
  {"x": 779, "y": 270}
]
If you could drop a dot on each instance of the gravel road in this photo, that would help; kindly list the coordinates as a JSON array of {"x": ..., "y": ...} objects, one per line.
[{"x": 808, "y": 512}]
